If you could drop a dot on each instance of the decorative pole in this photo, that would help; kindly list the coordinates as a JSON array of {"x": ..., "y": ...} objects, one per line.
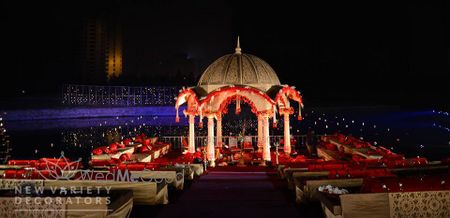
[
  {"x": 191, "y": 148},
  {"x": 260, "y": 132},
  {"x": 219, "y": 130},
  {"x": 210, "y": 146},
  {"x": 287, "y": 134},
  {"x": 266, "y": 138}
]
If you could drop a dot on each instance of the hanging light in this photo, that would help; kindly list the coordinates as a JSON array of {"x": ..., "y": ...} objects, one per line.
[
  {"x": 238, "y": 104},
  {"x": 177, "y": 117},
  {"x": 300, "y": 112}
]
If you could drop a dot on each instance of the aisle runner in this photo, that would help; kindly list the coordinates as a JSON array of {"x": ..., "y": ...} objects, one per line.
[{"x": 233, "y": 194}]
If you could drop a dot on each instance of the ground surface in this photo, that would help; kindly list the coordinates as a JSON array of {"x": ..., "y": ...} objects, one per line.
[{"x": 234, "y": 194}]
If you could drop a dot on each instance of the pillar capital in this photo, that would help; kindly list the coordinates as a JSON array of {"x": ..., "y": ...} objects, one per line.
[
  {"x": 210, "y": 115},
  {"x": 289, "y": 110},
  {"x": 190, "y": 112},
  {"x": 264, "y": 114}
]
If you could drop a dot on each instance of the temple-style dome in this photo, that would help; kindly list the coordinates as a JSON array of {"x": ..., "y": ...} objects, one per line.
[{"x": 238, "y": 69}]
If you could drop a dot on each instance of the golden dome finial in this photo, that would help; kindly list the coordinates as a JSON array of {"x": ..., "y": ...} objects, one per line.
[{"x": 238, "y": 47}]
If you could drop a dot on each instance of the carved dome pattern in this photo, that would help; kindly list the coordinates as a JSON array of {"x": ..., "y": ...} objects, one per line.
[{"x": 239, "y": 69}]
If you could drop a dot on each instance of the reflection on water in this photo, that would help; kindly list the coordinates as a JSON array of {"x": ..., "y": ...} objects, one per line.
[{"x": 409, "y": 132}]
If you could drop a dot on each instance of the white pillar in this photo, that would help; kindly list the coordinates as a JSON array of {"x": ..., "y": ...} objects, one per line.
[
  {"x": 210, "y": 147},
  {"x": 287, "y": 134},
  {"x": 219, "y": 131},
  {"x": 266, "y": 139},
  {"x": 191, "y": 148},
  {"x": 260, "y": 132}
]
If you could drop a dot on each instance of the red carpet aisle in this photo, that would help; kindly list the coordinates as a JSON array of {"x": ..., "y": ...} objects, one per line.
[{"x": 233, "y": 194}]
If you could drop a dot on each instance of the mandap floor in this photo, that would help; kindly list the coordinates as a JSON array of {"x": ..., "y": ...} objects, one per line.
[{"x": 224, "y": 193}]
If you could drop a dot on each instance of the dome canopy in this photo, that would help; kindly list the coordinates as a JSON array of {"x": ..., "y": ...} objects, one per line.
[{"x": 238, "y": 69}]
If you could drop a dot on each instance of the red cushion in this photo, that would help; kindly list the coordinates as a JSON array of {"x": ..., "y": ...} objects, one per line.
[
  {"x": 22, "y": 162},
  {"x": 136, "y": 167},
  {"x": 105, "y": 149},
  {"x": 144, "y": 149},
  {"x": 97, "y": 151},
  {"x": 113, "y": 147},
  {"x": 146, "y": 142},
  {"x": 125, "y": 157},
  {"x": 127, "y": 141}
]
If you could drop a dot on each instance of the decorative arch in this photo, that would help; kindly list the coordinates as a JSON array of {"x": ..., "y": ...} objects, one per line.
[
  {"x": 223, "y": 108},
  {"x": 284, "y": 95},
  {"x": 189, "y": 97},
  {"x": 214, "y": 101}
]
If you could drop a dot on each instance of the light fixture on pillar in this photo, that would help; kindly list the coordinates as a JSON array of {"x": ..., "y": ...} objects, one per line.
[
  {"x": 200, "y": 123},
  {"x": 300, "y": 105},
  {"x": 275, "y": 122},
  {"x": 219, "y": 130},
  {"x": 238, "y": 104},
  {"x": 177, "y": 118}
]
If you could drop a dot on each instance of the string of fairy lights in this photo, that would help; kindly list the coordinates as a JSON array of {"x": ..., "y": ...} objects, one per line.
[
  {"x": 442, "y": 120},
  {"x": 5, "y": 147},
  {"x": 118, "y": 95}
]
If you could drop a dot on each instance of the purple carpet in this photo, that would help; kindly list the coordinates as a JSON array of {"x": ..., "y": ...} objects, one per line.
[{"x": 233, "y": 194}]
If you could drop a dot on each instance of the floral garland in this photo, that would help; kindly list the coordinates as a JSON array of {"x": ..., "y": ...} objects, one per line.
[
  {"x": 223, "y": 109},
  {"x": 235, "y": 89}
]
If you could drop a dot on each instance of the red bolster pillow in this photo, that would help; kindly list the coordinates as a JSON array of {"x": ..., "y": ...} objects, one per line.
[
  {"x": 113, "y": 147},
  {"x": 97, "y": 151},
  {"x": 125, "y": 157}
]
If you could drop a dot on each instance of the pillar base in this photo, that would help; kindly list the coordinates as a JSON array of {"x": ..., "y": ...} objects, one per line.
[{"x": 212, "y": 163}]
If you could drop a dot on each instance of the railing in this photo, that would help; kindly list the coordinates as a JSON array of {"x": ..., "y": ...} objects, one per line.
[
  {"x": 118, "y": 95},
  {"x": 201, "y": 141}
]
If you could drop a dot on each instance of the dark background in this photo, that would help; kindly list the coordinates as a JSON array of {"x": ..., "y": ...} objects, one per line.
[{"x": 358, "y": 53}]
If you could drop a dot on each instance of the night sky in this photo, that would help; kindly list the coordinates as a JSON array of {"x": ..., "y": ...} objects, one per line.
[{"x": 337, "y": 53}]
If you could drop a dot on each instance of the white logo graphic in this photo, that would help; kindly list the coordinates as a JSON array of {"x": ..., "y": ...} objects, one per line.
[{"x": 62, "y": 169}]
